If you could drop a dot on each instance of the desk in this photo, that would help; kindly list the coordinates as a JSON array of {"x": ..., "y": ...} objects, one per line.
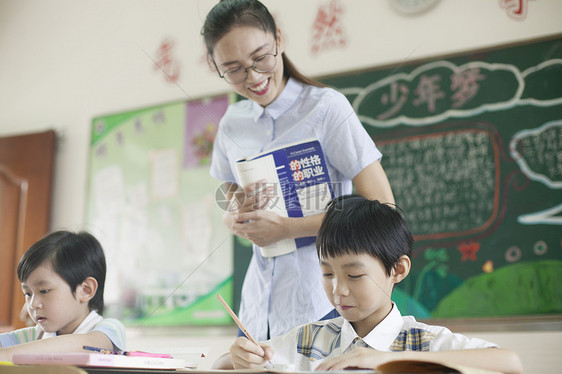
[
  {"x": 52, "y": 369},
  {"x": 98, "y": 370},
  {"x": 67, "y": 369}
]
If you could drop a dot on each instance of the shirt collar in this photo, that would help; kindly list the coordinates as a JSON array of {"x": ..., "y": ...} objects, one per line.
[
  {"x": 88, "y": 323},
  {"x": 288, "y": 97},
  {"x": 381, "y": 337}
]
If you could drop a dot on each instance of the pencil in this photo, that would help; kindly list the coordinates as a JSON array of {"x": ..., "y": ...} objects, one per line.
[{"x": 238, "y": 322}]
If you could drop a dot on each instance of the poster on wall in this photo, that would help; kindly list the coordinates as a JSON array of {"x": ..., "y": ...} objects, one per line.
[{"x": 151, "y": 203}]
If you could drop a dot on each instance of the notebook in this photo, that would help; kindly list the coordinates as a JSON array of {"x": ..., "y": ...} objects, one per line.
[{"x": 98, "y": 360}]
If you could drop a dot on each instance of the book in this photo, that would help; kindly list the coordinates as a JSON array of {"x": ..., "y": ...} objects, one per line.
[
  {"x": 396, "y": 366},
  {"x": 97, "y": 360},
  {"x": 415, "y": 366},
  {"x": 301, "y": 182}
]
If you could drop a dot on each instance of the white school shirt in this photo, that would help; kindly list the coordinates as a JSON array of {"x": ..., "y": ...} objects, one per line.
[
  {"x": 111, "y": 327},
  {"x": 307, "y": 346},
  {"x": 282, "y": 292}
]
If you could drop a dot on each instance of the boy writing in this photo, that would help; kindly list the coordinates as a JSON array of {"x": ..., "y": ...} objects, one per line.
[
  {"x": 364, "y": 248},
  {"x": 62, "y": 277}
]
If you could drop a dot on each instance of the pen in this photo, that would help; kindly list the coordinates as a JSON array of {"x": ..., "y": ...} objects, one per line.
[
  {"x": 103, "y": 350},
  {"x": 238, "y": 322},
  {"x": 126, "y": 353}
]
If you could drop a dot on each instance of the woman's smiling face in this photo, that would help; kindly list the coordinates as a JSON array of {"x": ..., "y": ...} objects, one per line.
[{"x": 239, "y": 48}]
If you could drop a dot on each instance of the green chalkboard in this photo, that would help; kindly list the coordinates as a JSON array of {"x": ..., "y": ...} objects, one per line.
[{"x": 472, "y": 147}]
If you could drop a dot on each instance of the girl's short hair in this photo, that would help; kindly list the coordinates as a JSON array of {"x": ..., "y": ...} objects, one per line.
[
  {"x": 354, "y": 224},
  {"x": 73, "y": 256}
]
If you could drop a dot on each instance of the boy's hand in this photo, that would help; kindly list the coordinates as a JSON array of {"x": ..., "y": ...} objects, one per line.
[
  {"x": 245, "y": 354},
  {"x": 359, "y": 358}
]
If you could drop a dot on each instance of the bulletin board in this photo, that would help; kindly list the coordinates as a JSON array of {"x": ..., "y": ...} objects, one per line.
[
  {"x": 151, "y": 202},
  {"x": 472, "y": 146}
]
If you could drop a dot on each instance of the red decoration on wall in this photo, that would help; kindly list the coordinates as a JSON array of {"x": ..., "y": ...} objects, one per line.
[
  {"x": 327, "y": 30},
  {"x": 468, "y": 250},
  {"x": 516, "y": 9},
  {"x": 166, "y": 62}
]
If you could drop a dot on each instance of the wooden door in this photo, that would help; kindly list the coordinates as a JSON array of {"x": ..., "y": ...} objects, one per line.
[{"x": 26, "y": 174}]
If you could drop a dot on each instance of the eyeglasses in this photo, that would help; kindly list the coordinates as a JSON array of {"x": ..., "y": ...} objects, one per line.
[{"x": 261, "y": 64}]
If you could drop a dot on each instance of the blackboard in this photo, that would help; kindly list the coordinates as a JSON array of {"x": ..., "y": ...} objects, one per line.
[{"x": 472, "y": 147}]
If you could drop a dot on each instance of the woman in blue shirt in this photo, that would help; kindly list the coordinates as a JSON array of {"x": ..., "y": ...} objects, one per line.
[{"x": 282, "y": 107}]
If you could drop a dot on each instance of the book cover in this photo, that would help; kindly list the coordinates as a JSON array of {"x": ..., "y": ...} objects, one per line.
[
  {"x": 301, "y": 182},
  {"x": 416, "y": 366},
  {"x": 98, "y": 360}
]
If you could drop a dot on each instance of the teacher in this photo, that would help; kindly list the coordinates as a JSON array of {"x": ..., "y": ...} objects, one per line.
[{"x": 283, "y": 106}]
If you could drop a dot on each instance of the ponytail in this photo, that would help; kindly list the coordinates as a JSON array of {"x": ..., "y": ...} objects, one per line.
[{"x": 291, "y": 71}]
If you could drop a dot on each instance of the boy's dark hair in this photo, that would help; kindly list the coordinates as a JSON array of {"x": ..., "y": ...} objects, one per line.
[
  {"x": 354, "y": 224},
  {"x": 228, "y": 14},
  {"x": 73, "y": 256}
]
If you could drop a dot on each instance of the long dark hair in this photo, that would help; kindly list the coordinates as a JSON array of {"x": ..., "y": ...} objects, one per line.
[
  {"x": 74, "y": 257},
  {"x": 228, "y": 14}
]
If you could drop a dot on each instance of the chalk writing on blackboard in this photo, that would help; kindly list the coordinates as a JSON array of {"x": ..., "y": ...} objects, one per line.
[
  {"x": 436, "y": 91},
  {"x": 537, "y": 151},
  {"x": 448, "y": 182},
  {"x": 439, "y": 90}
]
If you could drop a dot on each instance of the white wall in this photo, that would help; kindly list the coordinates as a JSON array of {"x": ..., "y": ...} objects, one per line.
[{"x": 62, "y": 62}]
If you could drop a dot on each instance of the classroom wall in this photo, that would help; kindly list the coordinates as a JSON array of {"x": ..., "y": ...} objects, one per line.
[{"x": 62, "y": 62}]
